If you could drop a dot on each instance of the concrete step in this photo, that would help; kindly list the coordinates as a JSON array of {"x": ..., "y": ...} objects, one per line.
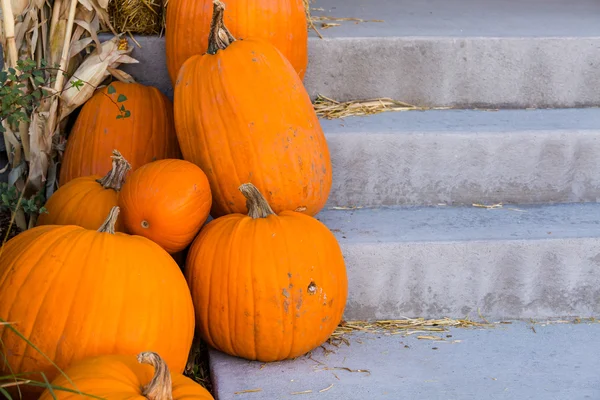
[
  {"x": 516, "y": 361},
  {"x": 512, "y": 262},
  {"x": 465, "y": 157},
  {"x": 450, "y": 53},
  {"x": 460, "y": 53}
]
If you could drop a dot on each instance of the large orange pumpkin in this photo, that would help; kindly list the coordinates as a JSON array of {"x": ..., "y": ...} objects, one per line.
[
  {"x": 166, "y": 201},
  {"x": 148, "y": 134},
  {"x": 280, "y": 22},
  {"x": 77, "y": 293},
  {"x": 266, "y": 287},
  {"x": 87, "y": 200},
  {"x": 123, "y": 377},
  {"x": 243, "y": 115}
]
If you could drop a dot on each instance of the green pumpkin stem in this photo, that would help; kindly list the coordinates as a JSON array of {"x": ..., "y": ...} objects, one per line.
[
  {"x": 116, "y": 176},
  {"x": 255, "y": 202},
  {"x": 109, "y": 224},
  {"x": 160, "y": 387},
  {"x": 219, "y": 37}
]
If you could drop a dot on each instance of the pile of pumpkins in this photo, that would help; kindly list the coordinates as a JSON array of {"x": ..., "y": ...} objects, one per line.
[{"x": 95, "y": 286}]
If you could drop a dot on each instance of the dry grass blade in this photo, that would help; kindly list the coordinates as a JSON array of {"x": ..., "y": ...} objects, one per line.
[
  {"x": 405, "y": 326},
  {"x": 332, "y": 109},
  {"x": 248, "y": 391}
]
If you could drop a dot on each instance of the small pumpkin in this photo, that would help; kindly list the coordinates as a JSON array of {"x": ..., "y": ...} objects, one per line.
[
  {"x": 115, "y": 377},
  {"x": 76, "y": 293},
  {"x": 243, "y": 115},
  {"x": 145, "y": 135},
  {"x": 266, "y": 287},
  {"x": 166, "y": 201},
  {"x": 86, "y": 201},
  {"x": 281, "y": 23}
]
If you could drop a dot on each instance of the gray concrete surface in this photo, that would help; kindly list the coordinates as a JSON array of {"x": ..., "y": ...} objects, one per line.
[
  {"x": 465, "y": 157},
  {"x": 460, "y": 18},
  {"x": 556, "y": 362},
  {"x": 459, "y": 53},
  {"x": 513, "y": 262}
]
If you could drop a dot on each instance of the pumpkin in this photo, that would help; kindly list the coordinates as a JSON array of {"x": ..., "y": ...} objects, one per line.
[
  {"x": 115, "y": 377},
  {"x": 76, "y": 293},
  {"x": 281, "y": 23},
  {"x": 266, "y": 287},
  {"x": 146, "y": 135},
  {"x": 243, "y": 115},
  {"x": 166, "y": 201},
  {"x": 86, "y": 201}
]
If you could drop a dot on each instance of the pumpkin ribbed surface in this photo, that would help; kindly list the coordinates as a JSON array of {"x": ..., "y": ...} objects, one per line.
[
  {"x": 86, "y": 201},
  {"x": 166, "y": 201},
  {"x": 120, "y": 377},
  {"x": 268, "y": 288},
  {"x": 77, "y": 293},
  {"x": 281, "y": 23},
  {"x": 148, "y": 134},
  {"x": 243, "y": 115}
]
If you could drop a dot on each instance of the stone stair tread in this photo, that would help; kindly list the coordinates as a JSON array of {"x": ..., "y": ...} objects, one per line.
[
  {"x": 460, "y": 18},
  {"x": 467, "y": 121},
  {"x": 465, "y": 156},
  {"x": 508, "y": 361},
  {"x": 448, "y": 223},
  {"x": 517, "y": 261}
]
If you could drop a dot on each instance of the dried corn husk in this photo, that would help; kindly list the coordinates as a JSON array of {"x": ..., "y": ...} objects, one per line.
[
  {"x": 93, "y": 71},
  {"x": 58, "y": 32}
]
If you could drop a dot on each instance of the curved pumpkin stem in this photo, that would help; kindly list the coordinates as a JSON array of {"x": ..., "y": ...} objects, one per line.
[
  {"x": 160, "y": 387},
  {"x": 116, "y": 176},
  {"x": 109, "y": 224},
  {"x": 219, "y": 37},
  {"x": 255, "y": 202}
]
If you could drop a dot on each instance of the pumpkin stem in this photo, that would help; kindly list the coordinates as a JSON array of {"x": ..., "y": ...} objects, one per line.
[
  {"x": 109, "y": 224},
  {"x": 116, "y": 176},
  {"x": 160, "y": 387},
  {"x": 255, "y": 202},
  {"x": 219, "y": 37}
]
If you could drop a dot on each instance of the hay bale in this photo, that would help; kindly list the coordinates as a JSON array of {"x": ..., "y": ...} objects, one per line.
[{"x": 137, "y": 16}]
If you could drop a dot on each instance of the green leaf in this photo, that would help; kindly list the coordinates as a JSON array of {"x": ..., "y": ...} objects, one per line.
[
  {"x": 127, "y": 114},
  {"x": 122, "y": 107},
  {"x": 111, "y": 89},
  {"x": 119, "y": 116},
  {"x": 121, "y": 98},
  {"x": 39, "y": 80}
]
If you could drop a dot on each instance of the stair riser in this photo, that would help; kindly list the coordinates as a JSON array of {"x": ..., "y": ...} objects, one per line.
[
  {"x": 371, "y": 170},
  {"x": 457, "y": 72},
  {"x": 502, "y": 279}
]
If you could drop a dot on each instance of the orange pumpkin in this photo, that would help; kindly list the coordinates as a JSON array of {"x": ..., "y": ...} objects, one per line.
[
  {"x": 281, "y": 23},
  {"x": 266, "y": 287},
  {"x": 166, "y": 201},
  {"x": 148, "y": 134},
  {"x": 77, "y": 293},
  {"x": 243, "y": 115},
  {"x": 86, "y": 201},
  {"x": 115, "y": 377}
]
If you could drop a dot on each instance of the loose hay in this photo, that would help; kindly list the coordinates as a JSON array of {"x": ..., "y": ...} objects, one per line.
[
  {"x": 137, "y": 16},
  {"x": 332, "y": 109},
  {"x": 406, "y": 326}
]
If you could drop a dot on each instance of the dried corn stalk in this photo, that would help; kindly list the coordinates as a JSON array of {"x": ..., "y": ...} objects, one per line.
[{"x": 60, "y": 38}]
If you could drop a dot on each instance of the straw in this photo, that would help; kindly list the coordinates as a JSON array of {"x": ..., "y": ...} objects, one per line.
[
  {"x": 332, "y": 109},
  {"x": 137, "y": 16}
]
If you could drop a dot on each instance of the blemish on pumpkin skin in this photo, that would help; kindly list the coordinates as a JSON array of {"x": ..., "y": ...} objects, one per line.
[
  {"x": 312, "y": 288},
  {"x": 285, "y": 293},
  {"x": 289, "y": 274},
  {"x": 286, "y": 306}
]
